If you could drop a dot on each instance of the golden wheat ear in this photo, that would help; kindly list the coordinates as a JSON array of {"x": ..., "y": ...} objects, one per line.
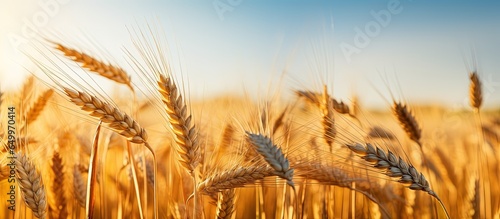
[
  {"x": 185, "y": 133},
  {"x": 79, "y": 188},
  {"x": 118, "y": 121},
  {"x": 408, "y": 122},
  {"x": 58, "y": 201},
  {"x": 31, "y": 184},
  {"x": 225, "y": 204},
  {"x": 395, "y": 167},
  {"x": 95, "y": 65},
  {"x": 37, "y": 107},
  {"x": 273, "y": 155},
  {"x": 475, "y": 91},
  {"x": 233, "y": 178}
]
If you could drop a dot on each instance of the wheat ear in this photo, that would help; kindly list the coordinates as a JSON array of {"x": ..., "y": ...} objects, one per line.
[
  {"x": 395, "y": 167},
  {"x": 324, "y": 174},
  {"x": 316, "y": 99},
  {"x": 475, "y": 92},
  {"x": 79, "y": 188},
  {"x": 106, "y": 70},
  {"x": 334, "y": 176},
  {"x": 379, "y": 132},
  {"x": 185, "y": 133},
  {"x": 31, "y": 184},
  {"x": 38, "y": 106},
  {"x": 225, "y": 204},
  {"x": 118, "y": 121},
  {"x": 58, "y": 199},
  {"x": 326, "y": 106},
  {"x": 233, "y": 178},
  {"x": 407, "y": 121},
  {"x": 273, "y": 155}
]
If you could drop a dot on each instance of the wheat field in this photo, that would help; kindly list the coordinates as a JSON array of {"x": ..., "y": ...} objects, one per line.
[{"x": 72, "y": 150}]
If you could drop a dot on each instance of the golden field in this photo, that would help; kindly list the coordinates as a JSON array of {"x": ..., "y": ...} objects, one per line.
[{"x": 150, "y": 152}]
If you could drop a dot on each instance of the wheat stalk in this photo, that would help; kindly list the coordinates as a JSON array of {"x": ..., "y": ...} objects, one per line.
[
  {"x": 395, "y": 167},
  {"x": 225, "y": 204},
  {"x": 273, "y": 155},
  {"x": 185, "y": 133},
  {"x": 31, "y": 184},
  {"x": 475, "y": 92},
  {"x": 233, "y": 178},
  {"x": 104, "y": 69},
  {"x": 92, "y": 174}
]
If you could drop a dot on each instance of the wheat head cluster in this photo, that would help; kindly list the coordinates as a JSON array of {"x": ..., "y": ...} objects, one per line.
[{"x": 152, "y": 152}]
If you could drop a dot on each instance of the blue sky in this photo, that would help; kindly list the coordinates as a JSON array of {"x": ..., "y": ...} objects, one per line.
[{"x": 421, "y": 49}]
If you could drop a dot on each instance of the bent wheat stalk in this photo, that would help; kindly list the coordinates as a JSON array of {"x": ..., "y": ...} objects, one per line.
[
  {"x": 31, "y": 184},
  {"x": 396, "y": 167}
]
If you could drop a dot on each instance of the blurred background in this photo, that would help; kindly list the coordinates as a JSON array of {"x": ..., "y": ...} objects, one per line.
[{"x": 417, "y": 50}]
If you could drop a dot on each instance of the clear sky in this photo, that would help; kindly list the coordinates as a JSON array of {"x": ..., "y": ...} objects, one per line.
[{"x": 420, "y": 47}]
